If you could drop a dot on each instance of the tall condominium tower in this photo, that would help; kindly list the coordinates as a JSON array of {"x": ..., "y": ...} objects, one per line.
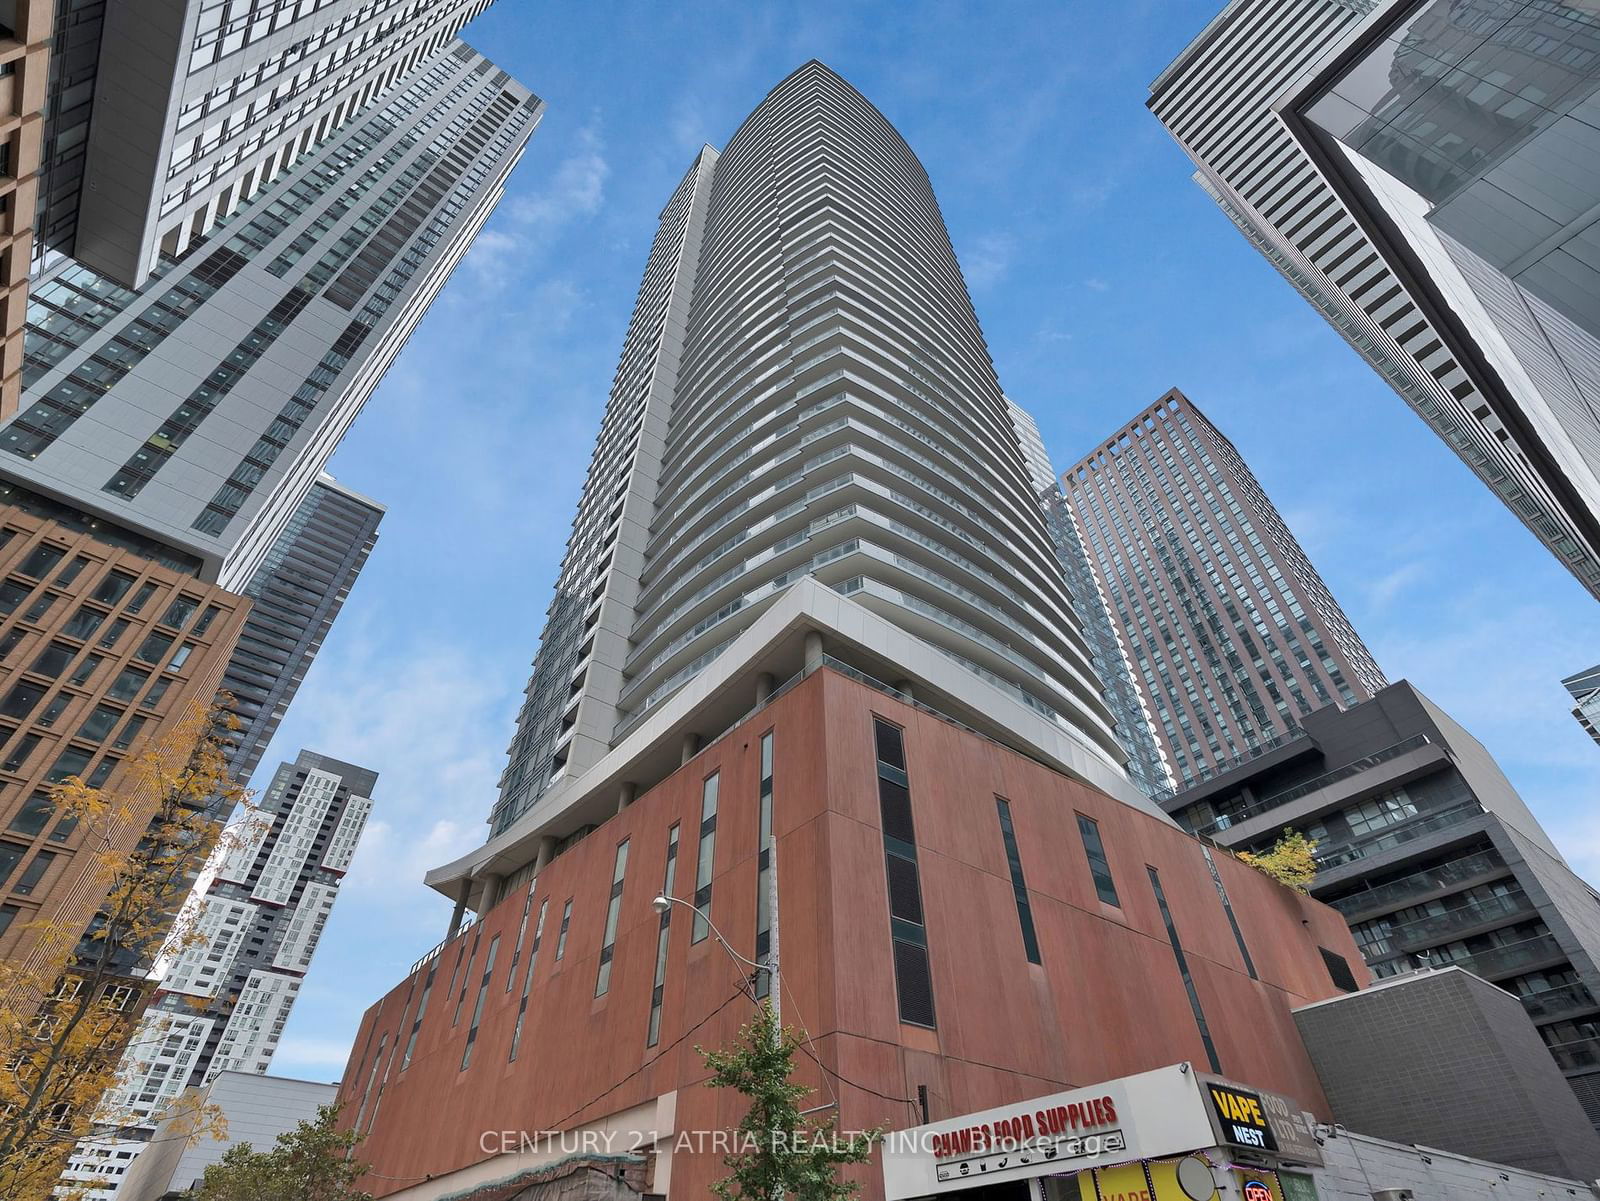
[
  {"x": 1232, "y": 633},
  {"x": 1145, "y": 766},
  {"x": 1585, "y": 690},
  {"x": 813, "y": 669},
  {"x": 804, "y": 393},
  {"x": 1424, "y": 172},
  {"x": 295, "y": 594},
  {"x": 200, "y": 408},
  {"x": 203, "y": 102},
  {"x": 222, "y": 1002}
]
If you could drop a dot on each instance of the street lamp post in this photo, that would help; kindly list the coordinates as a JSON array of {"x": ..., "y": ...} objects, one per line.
[{"x": 663, "y": 903}]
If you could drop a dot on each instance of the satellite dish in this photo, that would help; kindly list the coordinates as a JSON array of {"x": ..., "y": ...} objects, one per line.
[{"x": 1195, "y": 1179}]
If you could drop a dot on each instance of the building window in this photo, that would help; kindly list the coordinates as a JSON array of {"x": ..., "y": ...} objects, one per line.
[
  {"x": 53, "y": 660},
  {"x": 41, "y": 559},
  {"x": 704, "y": 859},
  {"x": 522, "y": 932},
  {"x": 8, "y": 914},
  {"x": 466, "y": 979},
  {"x": 113, "y": 634},
  {"x": 913, "y": 976},
  {"x": 1339, "y": 970},
  {"x": 1380, "y": 811},
  {"x": 20, "y": 753},
  {"x": 658, "y": 988},
  {"x": 1099, "y": 866},
  {"x": 113, "y": 588},
  {"x": 1227, "y": 908},
  {"x": 34, "y": 815},
  {"x": 80, "y": 674},
  {"x": 477, "y": 1006},
  {"x": 527, "y": 978},
  {"x": 566, "y": 925},
  {"x": 1183, "y": 970},
  {"x": 83, "y": 623},
  {"x": 1019, "y": 887},
  {"x": 34, "y": 873},
  {"x": 99, "y": 723},
  {"x": 764, "y": 855},
  {"x": 608, "y": 942},
  {"x": 71, "y": 571}
]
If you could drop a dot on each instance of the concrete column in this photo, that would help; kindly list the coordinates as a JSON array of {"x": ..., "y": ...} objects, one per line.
[
  {"x": 459, "y": 915},
  {"x": 813, "y": 650},
  {"x": 625, "y": 794},
  {"x": 493, "y": 889},
  {"x": 547, "y": 852},
  {"x": 764, "y": 684},
  {"x": 691, "y": 747}
]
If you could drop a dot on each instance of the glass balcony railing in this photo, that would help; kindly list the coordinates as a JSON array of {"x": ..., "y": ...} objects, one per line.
[
  {"x": 1463, "y": 917},
  {"x": 1584, "y": 1053},
  {"x": 1551, "y": 1003},
  {"x": 1422, "y": 824},
  {"x": 1268, "y": 803},
  {"x": 1397, "y": 892},
  {"x": 1498, "y": 961}
]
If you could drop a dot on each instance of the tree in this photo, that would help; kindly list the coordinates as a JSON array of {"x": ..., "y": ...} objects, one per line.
[
  {"x": 780, "y": 1153},
  {"x": 1292, "y": 860},
  {"x": 70, "y": 1003},
  {"x": 312, "y": 1162}
]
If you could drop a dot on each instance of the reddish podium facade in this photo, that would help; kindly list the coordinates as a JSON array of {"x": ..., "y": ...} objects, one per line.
[{"x": 960, "y": 927}]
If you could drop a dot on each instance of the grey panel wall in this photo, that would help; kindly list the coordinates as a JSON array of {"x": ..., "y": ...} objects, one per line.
[{"x": 1447, "y": 1060}]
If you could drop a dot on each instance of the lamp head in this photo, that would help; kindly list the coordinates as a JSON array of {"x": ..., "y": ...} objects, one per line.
[{"x": 661, "y": 904}]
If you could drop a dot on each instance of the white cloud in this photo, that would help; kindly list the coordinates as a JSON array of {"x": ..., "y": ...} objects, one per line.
[
  {"x": 1095, "y": 284},
  {"x": 987, "y": 260},
  {"x": 577, "y": 187}
]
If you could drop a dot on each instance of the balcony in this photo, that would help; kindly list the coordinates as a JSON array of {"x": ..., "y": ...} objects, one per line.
[
  {"x": 1552, "y": 1003},
  {"x": 1515, "y": 957},
  {"x": 1443, "y": 926},
  {"x": 1577, "y": 1056},
  {"x": 1417, "y": 827},
  {"x": 1269, "y": 803},
  {"x": 1397, "y": 893}
]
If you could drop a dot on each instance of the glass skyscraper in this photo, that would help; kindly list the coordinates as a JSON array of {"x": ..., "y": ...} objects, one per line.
[{"x": 1425, "y": 173}]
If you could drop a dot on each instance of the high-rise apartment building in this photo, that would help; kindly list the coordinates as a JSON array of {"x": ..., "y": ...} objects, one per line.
[
  {"x": 1431, "y": 855},
  {"x": 1424, "y": 172},
  {"x": 222, "y": 1002},
  {"x": 24, "y": 58},
  {"x": 1145, "y": 766},
  {"x": 106, "y": 641},
  {"x": 294, "y": 596},
  {"x": 1585, "y": 690},
  {"x": 207, "y": 101},
  {"x": 1232, "y": 634},
  {"x": 200, "y": 408},
  {"x": 811, "y": 641},
  {"x": 853, "y": 433}
]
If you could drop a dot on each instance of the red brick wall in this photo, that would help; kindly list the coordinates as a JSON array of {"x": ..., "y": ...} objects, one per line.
[{"x": 1107, "y": 1001}]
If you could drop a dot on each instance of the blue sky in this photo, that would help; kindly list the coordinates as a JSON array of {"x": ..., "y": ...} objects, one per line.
[{"x": 1102, "y": 277}]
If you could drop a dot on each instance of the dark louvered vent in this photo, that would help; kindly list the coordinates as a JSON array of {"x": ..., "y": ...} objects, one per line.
[
  {"x": 905, "y": 897},
  {"x": 913, "y": 983}
]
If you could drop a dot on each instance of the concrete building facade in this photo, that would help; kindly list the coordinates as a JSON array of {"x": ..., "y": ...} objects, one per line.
[
  {"x": 212, "y": 101},
  {"x": 1442, "y": 1058},
  {"x": 1423, "y": 172},
  {"x": 1432, "y": 856},
  {"x": 25, "y": 28},
  {"x": 256, "y": 1109},
  {"x": 1233, "y": 636},
  {"x": 201, "y": 408},
  {"x": 804, "y": 393}
]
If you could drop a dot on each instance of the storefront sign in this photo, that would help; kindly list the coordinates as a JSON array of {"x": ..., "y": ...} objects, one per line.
[
  {"x": 1241, "y": 1121},
  {"x": 1129, "y": 1183},
  {"x": 1258, "y": 1186},
  {"x": 1260, "y": 1121},
  {"x": 1138, "y": 1117},
  {"x": 1297, "y": 1187}
]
